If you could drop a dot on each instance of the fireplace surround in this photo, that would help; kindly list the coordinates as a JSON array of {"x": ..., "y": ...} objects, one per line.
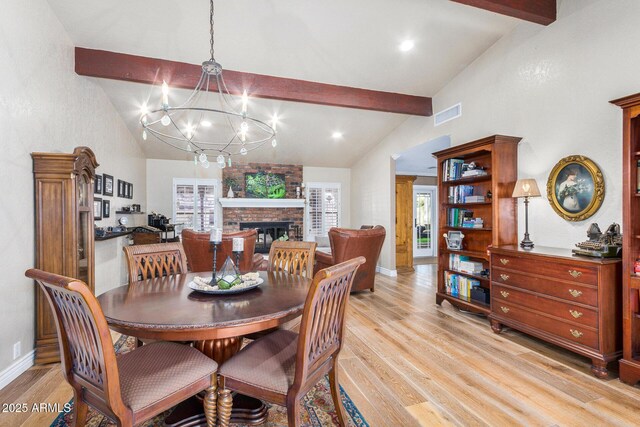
[{"x": 268, "y": 231}]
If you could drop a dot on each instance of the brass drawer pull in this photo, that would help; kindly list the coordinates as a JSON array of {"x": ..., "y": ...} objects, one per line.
[
  {"x": 574, "y": 293},
  {"x": 575, "y": 274},
  {"x": 575, "y": 333},
  {"x": 504, "y": 261},
  {"x": 504, "y": 277},
  {"x": 575, "y": 314},
  {"x": 504, "y": 309},
  {"x": 504, "y": 293}
]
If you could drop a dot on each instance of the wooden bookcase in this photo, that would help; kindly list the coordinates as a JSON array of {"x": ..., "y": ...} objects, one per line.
[
  {"x": 498, "y": 155},
  {"x": 64, "y": 231},
  {"x": 630, "y": 362}
]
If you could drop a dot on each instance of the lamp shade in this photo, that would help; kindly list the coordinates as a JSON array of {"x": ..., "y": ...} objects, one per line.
[{"x": 526, "y": 188}]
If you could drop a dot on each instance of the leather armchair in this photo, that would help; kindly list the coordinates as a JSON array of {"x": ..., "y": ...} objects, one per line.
[
  {"x": 347, "y": 244},
  {"x": 199, "y": 251}
]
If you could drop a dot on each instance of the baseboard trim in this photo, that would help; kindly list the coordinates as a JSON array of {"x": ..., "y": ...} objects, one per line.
[
  {"x": 17, "y": 368},
  {"x": 386, "y": 271}
]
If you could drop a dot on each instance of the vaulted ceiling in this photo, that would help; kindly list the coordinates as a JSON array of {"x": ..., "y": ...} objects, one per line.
[{"x": 349, "y": 43}]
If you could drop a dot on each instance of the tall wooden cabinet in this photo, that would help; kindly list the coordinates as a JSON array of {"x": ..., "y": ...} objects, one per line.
[
  {"x": 64, "y": 231},
  {"x": 404, "y": 222},
  {"x": 630, "y": 362},
  {"x": 498, "y": 156}
]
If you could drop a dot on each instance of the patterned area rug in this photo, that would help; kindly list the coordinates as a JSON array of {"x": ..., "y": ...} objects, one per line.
[{"x": 318, "y": 410}]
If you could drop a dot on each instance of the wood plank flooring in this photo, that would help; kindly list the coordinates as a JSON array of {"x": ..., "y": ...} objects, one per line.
[{"x": 408, "y": 362}]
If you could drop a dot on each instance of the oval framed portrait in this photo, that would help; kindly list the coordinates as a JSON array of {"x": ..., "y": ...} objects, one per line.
[{"x": 575, "y": 188}]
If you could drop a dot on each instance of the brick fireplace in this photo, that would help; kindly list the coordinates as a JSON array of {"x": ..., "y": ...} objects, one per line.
[{"x": 251, "y": 210}]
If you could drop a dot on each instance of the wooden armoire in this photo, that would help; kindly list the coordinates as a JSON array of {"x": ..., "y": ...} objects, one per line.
[{"x": 64, "y": 231}]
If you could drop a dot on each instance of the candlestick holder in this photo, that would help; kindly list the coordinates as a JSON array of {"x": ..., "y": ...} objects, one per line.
[
  {"x": 215, "y": 255},
  {"x": 238, "y": 258}
]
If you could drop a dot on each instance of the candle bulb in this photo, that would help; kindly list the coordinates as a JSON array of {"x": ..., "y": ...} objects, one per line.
[
  {"x": 216, "y": 235},
  {"x": 238, "y": 244}
]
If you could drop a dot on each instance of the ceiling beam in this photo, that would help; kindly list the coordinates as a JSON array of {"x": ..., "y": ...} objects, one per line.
[
  {"x": 538, "y": 11},
  {"x": 140, "y": 69}
]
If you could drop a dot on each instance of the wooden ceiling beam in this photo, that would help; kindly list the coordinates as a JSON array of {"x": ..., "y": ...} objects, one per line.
[
  {"x": 538, "y": 11},
  {"x": 139, "y": 69}
]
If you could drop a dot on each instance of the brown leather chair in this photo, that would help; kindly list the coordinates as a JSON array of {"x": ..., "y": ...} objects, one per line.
[
  {"x": 347, "y": 244},
  {"x": 283, "y": 366},
  {"x": 130, "y": 388},
  {"x": 200, "y": 251},
  {"x": 155, "y": 260}
]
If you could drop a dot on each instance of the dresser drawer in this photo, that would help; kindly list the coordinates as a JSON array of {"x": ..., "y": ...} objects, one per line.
[
  {"x": 564, "y": 310},
  {"x": 564, "y": 271},
  {"x": 572, "y": 292},
  {"x": 578, "y": 334}
]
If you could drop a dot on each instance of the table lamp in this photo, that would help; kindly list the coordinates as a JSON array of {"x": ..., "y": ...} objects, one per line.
[{"x": 526, "y": 188}]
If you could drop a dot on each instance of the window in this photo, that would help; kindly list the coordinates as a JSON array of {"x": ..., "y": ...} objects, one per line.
[
  {"x": 324, "y": 208},
  {"x": 194, "y": 203}
]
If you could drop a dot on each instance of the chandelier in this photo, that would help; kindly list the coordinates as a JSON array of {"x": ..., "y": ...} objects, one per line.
[{"x": 208, "y": 123}]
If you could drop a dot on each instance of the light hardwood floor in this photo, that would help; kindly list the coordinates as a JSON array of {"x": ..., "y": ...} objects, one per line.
[{"x": 408, "y": 362}]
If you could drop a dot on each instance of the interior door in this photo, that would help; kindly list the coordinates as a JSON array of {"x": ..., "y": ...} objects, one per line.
[{"x": 424, "y": 212}]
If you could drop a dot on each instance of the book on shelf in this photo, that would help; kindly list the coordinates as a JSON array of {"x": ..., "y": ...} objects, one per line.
[
  {"x": 474, "y": 172},
  {"x": 460, "y": 193},
  {"x": 474, "y": 199},
  {"x": 459, "y": 286},
  {"x": 457, "y": 217},
  {"x": 471, "y": 267},
  {"x": 455, "y": 259},
  {"x": 452, "y": 169},
  {"x": 473, "y": 223}
]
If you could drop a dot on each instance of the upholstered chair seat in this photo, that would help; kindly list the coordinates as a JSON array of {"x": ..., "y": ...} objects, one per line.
[
  {"x": 175, "y": 368},
  {"x": 268, "y": 363}
]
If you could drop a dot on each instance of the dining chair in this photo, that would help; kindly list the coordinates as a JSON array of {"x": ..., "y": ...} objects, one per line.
[
  {"x": 283, "y": 366},
  {"x": 130, "y": 388},
  {"x": 155, "y": 260},
  {"x": 292, "y": 257}
]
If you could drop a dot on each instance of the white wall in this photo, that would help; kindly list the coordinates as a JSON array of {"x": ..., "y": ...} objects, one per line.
[
  {"x": 160, "y": 174},
  {"x": 341, "y": 175},
  {"x": 45, "y": 106},
  {"x": 549, "y": 85}
]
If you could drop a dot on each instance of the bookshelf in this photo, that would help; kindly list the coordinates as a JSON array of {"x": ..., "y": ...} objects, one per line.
[
  {"x": 470, "y": 289},
  {"x": 630, "y": 362}
]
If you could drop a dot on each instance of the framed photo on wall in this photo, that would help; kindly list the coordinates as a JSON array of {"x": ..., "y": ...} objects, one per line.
[
  {"x": 121, "y": 188},
  {"x": 130, "y": 190},
  {"x": 97, "y": 185},
  {"x": 106, "y": 209},
  {"x": 97, "y": 208},
  {"x": 107, "y": 185}
]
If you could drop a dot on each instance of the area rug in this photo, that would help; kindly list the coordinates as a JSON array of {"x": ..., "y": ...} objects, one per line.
[{"x": 317, "y": 407}]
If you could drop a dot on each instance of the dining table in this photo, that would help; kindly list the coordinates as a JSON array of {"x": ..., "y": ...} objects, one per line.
[{"x": 166, "y": 308}]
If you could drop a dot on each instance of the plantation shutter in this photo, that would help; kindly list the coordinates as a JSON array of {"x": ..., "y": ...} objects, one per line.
[
  {"x": 323, "y": 208},
  {"x": 194, "y": 203}
]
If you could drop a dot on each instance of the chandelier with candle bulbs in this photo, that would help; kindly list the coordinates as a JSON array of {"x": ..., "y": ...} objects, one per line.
[{"x": 208, "y": 123}]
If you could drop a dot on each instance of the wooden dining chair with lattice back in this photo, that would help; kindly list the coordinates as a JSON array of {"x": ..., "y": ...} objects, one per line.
[
  {"x": 155, "y": 260},
  {"x": 130, "y": 388},
  {"x": 283, "y": 366},
  {"x": 292, "y": 257}
]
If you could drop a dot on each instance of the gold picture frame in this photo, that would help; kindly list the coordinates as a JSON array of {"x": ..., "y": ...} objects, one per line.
[{"x": 575, "y": 188}]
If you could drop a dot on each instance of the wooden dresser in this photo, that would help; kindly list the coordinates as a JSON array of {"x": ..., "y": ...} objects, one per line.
[{"x": 570, "y": 301}]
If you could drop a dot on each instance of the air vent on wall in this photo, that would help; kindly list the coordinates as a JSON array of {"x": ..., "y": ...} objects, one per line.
[{"x": 447, "y": 115}]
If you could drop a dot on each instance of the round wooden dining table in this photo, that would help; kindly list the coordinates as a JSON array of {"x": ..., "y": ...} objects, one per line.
[{"x": 167, "y": 309}]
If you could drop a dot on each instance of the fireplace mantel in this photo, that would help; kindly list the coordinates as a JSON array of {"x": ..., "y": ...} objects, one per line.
[{"x": 260, "y": 203}]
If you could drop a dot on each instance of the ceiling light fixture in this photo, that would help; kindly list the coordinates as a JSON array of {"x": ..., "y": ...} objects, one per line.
[
  {"x": 336, "y": 135},
  {"x": 185, "y": 126},
  {"x": 407, "y": 45}
]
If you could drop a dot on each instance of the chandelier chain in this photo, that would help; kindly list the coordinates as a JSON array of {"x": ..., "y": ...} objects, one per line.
[{"x": 211, "y": 28}]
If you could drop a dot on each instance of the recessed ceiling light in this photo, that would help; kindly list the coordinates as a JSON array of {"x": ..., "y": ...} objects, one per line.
[
  {"x": 206, "y": 123},
  {"x": 407, "y": 45},
  {"x": 336, "y": 135}
]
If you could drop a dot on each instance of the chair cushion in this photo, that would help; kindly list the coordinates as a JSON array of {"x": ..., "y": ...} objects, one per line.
[
  {"x": 155, "y": 371},
  {"x": 268, "y": 362}
]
